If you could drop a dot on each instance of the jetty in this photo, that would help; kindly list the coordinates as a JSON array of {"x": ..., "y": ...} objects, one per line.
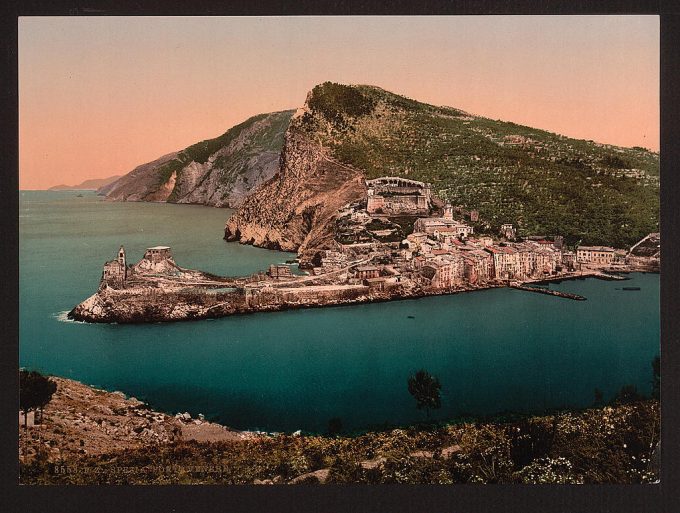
[
  {"x": 609, "y": 277},
  {"x": 541, "y": 290}
]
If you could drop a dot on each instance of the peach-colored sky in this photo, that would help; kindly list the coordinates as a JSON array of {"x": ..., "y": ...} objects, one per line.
[{"x": 101, "y": 95}]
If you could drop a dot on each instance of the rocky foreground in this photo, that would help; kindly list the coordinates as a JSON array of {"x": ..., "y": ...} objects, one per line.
[
  {"x": 83, "y": 421},
  {"x": 91, "y": 436}
]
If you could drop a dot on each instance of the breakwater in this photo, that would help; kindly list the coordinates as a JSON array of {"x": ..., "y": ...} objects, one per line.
[{"x": 558, "y": 293}]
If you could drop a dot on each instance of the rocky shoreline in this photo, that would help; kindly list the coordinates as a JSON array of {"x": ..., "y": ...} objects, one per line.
[
  {"x": 81, "y": 420},
  {"x": 112, "y": 307},
  {"x": 134, "y": 307}
]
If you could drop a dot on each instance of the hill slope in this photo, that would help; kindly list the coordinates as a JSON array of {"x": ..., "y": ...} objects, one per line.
[
  {"x": 541, "y": 182},
  {"x": 218, "y": 172}
]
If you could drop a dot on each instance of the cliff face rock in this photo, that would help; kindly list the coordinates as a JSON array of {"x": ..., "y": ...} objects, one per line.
[
  {"x": 219, "y": 172},
  {"x": 107, "y": 306},
  {"x": 295, "y": 210}
]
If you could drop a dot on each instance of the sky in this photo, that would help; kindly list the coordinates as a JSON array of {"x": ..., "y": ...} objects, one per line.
[{"x": 100, "y": 95}]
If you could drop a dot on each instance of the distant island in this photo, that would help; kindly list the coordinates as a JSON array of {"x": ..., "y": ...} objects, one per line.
[{"x": 88, "y": 185}]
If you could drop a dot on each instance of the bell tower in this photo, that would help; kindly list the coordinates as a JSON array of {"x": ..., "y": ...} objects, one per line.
[{"x": 123, "y": 263}]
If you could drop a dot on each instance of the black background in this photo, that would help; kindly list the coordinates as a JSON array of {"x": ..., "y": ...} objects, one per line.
[{"x": 663, "y": 497}]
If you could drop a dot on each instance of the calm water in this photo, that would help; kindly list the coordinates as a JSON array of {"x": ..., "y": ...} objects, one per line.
[{"x": 492, "y": 350}]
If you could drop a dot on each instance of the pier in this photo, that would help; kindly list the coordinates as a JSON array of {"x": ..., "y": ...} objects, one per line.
[{"x": 567, "y": 295}]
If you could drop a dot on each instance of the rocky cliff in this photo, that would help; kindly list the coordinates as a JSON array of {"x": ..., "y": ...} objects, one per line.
[
  {"x": 218, "y": 172},
  {"x": 294, "y": 210},
  {"x": 539, "y": 181}
]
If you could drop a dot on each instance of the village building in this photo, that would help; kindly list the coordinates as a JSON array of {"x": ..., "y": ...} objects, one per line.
[
  {"x": 457, "y": 267},
  {"x": 417, "y": 237},
  {"x": 599, "y": 255},
  {"x": 157, "y": 254},
  {"x": 508, "y": 232},
  {"x": 444, "y": 225},
  {"x": 439, "y": 273},
  {"x": 332, "y": 260},
  {"x": 546, "y": 261},
  {"x": 376, "y": 284},
  {"x": 569, "y": 259},
  {"x": 526, "y": 258},
  {"x": 115, "y": 271},
  {"x": 619, "y": 257},
  {"x": 395, "y": 195},
  {"x": 365, "y": 272},
  {"x": 484, "y": 241},
  {"x": 505, "y": 262},
  {"x": 477, "y": 266},
  {"x": 278, "y": 271}
]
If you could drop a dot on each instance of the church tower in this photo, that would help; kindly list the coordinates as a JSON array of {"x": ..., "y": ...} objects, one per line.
[{"x": 123, "y": 263}]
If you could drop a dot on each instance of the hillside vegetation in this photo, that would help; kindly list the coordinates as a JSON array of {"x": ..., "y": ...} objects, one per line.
[
  {"x": 542, "y": 182},
  {"x": 614, "y": 444},
  {"x": 217, "y": 172}
]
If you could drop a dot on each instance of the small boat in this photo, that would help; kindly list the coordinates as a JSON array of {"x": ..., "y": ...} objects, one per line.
[
  {"x": 411, "y": 317},
  {"x": 630, "y": 288}
]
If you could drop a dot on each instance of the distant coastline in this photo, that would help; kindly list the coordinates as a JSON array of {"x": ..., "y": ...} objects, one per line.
[{"x": 88, "y": 185}]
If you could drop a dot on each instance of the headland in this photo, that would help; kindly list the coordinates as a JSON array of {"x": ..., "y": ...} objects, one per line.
[{"x": 400, "y": 242}]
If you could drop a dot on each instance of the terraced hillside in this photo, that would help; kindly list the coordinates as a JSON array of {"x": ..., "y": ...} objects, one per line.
[
  {"x": 542, "y": 182},
  {"x": 220, "y": 172}
]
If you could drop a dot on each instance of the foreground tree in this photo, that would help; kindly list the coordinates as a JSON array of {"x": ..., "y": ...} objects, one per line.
[
  {"x": 425, "y": 388},
  {"x": 627, "y": 394},
  {"x": 35, "y": 391},
  {"x": 335, "y": 426}
]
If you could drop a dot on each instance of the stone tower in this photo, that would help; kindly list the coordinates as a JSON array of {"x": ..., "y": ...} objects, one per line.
[
  {"x": 122, "y": 262},
  {"x": 448, "y": 212}
]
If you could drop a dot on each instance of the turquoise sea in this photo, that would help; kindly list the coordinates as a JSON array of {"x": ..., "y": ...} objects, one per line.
[{"x": 493, "y": 351}]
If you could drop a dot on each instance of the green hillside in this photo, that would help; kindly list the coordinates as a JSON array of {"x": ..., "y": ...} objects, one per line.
[{"x": 542, "y": 182}]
